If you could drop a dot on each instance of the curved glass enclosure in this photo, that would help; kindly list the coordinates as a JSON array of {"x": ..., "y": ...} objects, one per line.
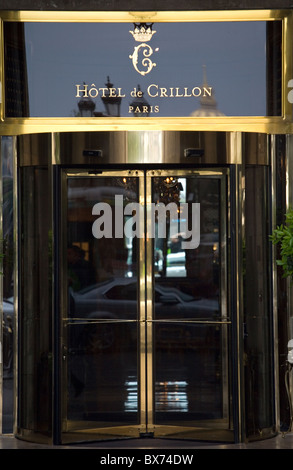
[{"x": 144, "y": 286}]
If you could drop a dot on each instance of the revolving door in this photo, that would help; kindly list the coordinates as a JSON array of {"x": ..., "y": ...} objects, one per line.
[
  {"x": 144, "y": 290},
  {"x": 145, "y": 341}
]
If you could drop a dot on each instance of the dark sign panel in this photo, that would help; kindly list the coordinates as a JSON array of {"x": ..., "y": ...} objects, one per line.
[{"x": 193, "y": 69}]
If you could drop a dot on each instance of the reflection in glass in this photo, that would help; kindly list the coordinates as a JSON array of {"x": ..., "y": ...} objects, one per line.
[
  {"x": 257, "y": 305},
  {"x": 35, "y": 302},
  {"x": 101, "y": 327},
  {"x": 46, "y": 61},
  {"x": 190, "y": 354},
  {"x": 7, "y": 283},
  {"x": 171, "y": 396},
  {"x": 196, "y": 270},
  {"x": 190, "y": 368},
  {"x": 189, "y": 345},
  {"x": 102, "y": 375}
]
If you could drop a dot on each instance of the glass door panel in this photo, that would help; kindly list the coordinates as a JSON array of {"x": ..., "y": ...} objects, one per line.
[
  {"x": 100, "y": 328},
  {"x": 145, "y": 324},
  {"x": 189, "y": 317}
]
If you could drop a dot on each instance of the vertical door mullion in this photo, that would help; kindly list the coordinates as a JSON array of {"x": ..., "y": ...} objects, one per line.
[
  {"x": 142, "y": 314},
  {"x": 149, "y": 305}
]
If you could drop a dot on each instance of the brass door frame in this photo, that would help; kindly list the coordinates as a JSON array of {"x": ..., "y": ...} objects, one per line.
[{"x": 145, "y": 319}]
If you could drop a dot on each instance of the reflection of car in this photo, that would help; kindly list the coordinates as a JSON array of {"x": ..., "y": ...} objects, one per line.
[
  {"x": 103, "y": 304},
  {"x": 8, "y": 313}
]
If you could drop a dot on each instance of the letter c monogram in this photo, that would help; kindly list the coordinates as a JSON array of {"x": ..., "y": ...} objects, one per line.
[{"x": 146, "y": 62}]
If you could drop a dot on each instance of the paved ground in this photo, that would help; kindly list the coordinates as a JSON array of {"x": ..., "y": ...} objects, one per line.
[{"x": 278, "y": 442}]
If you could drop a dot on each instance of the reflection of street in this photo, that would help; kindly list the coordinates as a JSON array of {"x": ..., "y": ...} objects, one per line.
[
  {"x": 186, "y": 381},
  {"x": 109, "y": 392}
]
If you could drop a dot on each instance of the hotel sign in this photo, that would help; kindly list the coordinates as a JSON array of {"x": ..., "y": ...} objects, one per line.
[
  {"x": 152, "y": 91},
  {"x": 143, "y": 64},
  {"x": 188, "y": 69}
]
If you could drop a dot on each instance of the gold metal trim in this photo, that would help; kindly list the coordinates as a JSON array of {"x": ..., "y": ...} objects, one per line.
[
  {"x": 287, "y": 68},
  {"x": 272, "y": 125},
  {"x": 109, "y": 430},
  {"x": 142, "y": 326},
  {"x": 198, "y": 322},
  {"x": 135, "y": 16},
  {"x": 240, "y": 225},
  {"x": 225, "y": 203},
  {"x": 289, "y": 194},
  {"x": 149, "y": 307},
  {"x": 15, "y": 282},
  {"x": 82, "y": 321},
  {"x": 269, "y": 125},
  {"x": 97, "y": 173},
  {"x": 55, "y": 148},
  {"x": 184, "y": 172},
  {"x": 275, "y": 282},
  {"x": 61, "y": 239}
]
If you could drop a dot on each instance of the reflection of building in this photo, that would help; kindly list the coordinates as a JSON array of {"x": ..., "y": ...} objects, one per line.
[
  {"x": 86, "y": 106},
  {"x": 208, "y": 104},
  {"x": 111, "y": 101},
  {"x": 166, "y": 343}
]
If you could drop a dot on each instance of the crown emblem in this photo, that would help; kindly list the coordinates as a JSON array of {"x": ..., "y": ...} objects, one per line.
[{"x": 143, "y": 32}]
